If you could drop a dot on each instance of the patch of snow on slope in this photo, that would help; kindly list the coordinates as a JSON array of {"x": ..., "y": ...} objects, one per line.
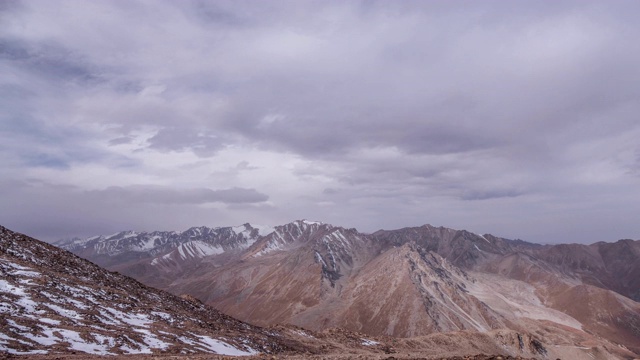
[
  {"x": 12, "y": 351},
  {"x": 239, "y": 229},
  {"x": 10, "y": 289},
  {"x": 223, "y": 348},
  {"x": 264, "y": 230},
  {"x": 68, "y": 313},
  {"x": 320, "y": 259},
  {"x": 24, "y": 304},
  {"x": 76, "y": 342},
  {"x": 147, "y": 244},
  {"x": 276, "y": 242},
  {"x": 131, "y": 319},
  {"x": 485, "y": 239},
  {"x": 130, "y": 235},
  {"x": 200, "y": 249},
  {"x": 49, "y": 321},
  {"x": 271, "y": 246},
  {"x": 301, "y": 333},
  {"x": 25, "y": 273},
  {"x": 339, "y": 238},
  {"x": 112, "y": 236},
  {"x": 367, "y": 342},
  {"x": 15, "y": 325},
  {"x": 152, "y": 342}
]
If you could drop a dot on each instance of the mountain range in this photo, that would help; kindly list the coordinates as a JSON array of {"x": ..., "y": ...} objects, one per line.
[
  {"x": 53, "y": 302},
  {"x": 405, "y": 283}
]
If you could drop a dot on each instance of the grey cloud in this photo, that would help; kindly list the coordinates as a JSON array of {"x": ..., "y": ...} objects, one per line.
[
  {"x": 401, "y": 106},
  {"x": 48, "y": 60},
  {"x": 244, "y": 165},
  {"x": 411, "y": 109},
  {"x": 186, "y": 139},
  {"x": 166, "y": 195},
  {"x": 50, "y": 212},
  {"x": 121, "y": 140},
  {"x": 496, "y": 194}
]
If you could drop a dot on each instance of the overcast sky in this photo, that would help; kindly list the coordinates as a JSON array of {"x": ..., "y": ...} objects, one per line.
[{"x": 519, "y": 119}]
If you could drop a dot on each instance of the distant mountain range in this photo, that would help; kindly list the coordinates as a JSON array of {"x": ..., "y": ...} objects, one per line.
[{"x": 404, "y": 283}]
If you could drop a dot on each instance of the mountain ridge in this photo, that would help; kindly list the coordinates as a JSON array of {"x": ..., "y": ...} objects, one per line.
[{"x": 463, "y": 248}]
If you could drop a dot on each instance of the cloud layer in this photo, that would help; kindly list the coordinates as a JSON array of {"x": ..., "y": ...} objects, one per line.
[{"x": 514, "y": 119}]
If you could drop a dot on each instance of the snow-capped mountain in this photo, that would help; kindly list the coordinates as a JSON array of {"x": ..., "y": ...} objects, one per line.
[
  {"x": 408, "y": 282},
  {"x": 209, "y": 240},
  {"x": 163, "y": 252}
]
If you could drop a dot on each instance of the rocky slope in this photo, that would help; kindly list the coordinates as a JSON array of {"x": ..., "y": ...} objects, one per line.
[
  {"x": 54, "y": 301},
  {"x": 414, "y": 282}
]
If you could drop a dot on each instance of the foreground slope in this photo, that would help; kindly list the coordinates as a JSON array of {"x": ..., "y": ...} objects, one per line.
[{"x": 53, "y": 301}]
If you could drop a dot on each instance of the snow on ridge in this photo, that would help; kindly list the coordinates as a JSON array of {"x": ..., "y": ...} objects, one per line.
[
  {"x": 320, "y": 260},
  {"x": 264, "y": 230},
  {"x": 112, "y": 235},
  {"x": 367, "y": 342},
  {"x": 222, "y": 348},
  {"x": 197, "y": 249},
  {"x": 482, "y": 236},
  {"x": 308, "y": 222},
  {"x": 271, "y": 246},
  {"x": 239, "y": 229}
]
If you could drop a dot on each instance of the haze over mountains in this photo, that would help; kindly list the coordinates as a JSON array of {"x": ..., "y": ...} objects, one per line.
[{"x": 404, "y": 283}]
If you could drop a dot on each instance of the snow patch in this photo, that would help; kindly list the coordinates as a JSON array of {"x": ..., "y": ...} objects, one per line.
[
  {"x": 307, "y": 222},
  {"x": 152, "y": 342},
  {"x": 264, "y": 230},
  {"x": 301, "y": 333},
  {"x": 223, "y": 348},
  {"x": 485, "y": 239},
  {"x": 367, "y": 342}
]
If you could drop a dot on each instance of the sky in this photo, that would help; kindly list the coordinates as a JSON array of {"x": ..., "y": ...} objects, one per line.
[{"x": 519, "y": 119}]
